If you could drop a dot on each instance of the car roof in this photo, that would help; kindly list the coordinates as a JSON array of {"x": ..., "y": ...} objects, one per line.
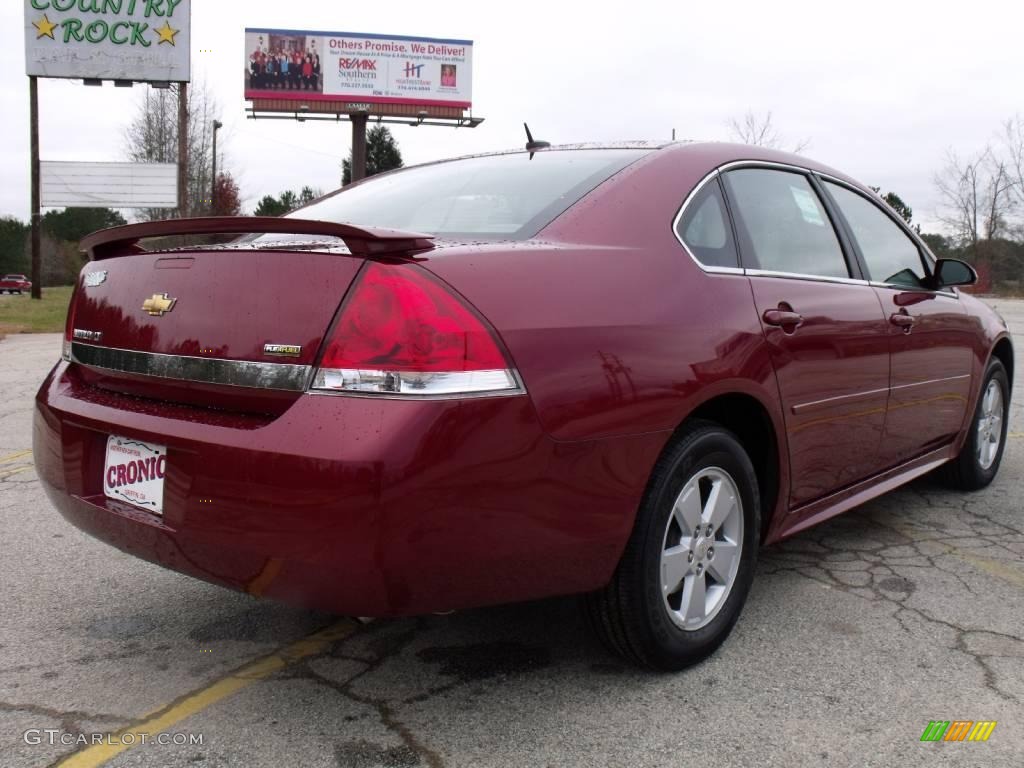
[{"x": 711, "y": 154}]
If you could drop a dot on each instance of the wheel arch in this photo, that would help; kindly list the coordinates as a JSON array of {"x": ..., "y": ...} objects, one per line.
[
  {"x": 751, "y": 421},
  {"x": 1003, "y": 351}
]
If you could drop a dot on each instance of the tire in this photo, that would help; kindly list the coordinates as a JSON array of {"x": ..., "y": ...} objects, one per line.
[
  {"x": 973, "y": 469},
  {"x": 642, "y": 614}
]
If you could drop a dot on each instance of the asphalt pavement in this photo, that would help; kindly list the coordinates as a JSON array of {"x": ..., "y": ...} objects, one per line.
[{"x": 856, "y": 634}]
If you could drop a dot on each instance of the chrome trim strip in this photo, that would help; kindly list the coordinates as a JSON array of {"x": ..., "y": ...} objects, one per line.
[
  {"x": 203, "y": 370},
  {"x": 799, "y": 276},
  {"x": 839, "y": 399},
  {"x": 932, "y": 381}
]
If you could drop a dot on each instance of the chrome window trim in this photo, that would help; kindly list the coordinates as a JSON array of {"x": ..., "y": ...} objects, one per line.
[
  {"x": 675, "y": 231},
  {"x": 800, "y": 276},
  {"x": 914, "y": 289},
  {"x": 732, "y": 164},
  {"x": 763, "y": 164},
  {"x": 201, "y": 370}
]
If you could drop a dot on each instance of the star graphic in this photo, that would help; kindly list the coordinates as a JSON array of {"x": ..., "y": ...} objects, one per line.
[
  {"x": 166, "y": 33},
  {"x": 44, "y": 28}
]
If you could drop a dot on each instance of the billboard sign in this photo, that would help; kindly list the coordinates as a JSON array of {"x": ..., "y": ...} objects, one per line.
[
  {"x": 141, "y": 40},
  {"x": 297, "y": 65},
  {"x": 108, "y": 185}
]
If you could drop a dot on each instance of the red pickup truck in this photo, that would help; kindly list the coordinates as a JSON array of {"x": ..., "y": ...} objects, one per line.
[{"x": 15, "y": 283}]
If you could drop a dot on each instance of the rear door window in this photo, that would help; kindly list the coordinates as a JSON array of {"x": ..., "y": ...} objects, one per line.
[
  {"x": 889, "y": 253},
  {"x": 783, "y": 225},
  {"x": 704, "y": 228}
]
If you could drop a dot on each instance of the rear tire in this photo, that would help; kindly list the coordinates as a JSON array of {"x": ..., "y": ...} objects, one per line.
[
  {"x": 978, "y": 461},
  {"x": 679, "y": 587}
]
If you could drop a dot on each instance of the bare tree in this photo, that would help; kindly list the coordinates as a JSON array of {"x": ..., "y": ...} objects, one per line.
[
  {"x": 152, "y": 137},
  {"x": 975, "y": 196},
  {"x": 759, "y": 131},
  {"x": 1011, "y": 142},
  {"x": 999, "y": 202}
]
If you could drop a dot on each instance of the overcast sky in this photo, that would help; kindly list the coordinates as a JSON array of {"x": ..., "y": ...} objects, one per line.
[{"x": 881, "y": 89}]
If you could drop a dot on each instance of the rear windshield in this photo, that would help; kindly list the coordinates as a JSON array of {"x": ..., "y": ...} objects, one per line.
[{"x": 509, "y": 196}]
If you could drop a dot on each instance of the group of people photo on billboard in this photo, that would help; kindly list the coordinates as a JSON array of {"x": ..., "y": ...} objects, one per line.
[{"x": 285, "y": 62}]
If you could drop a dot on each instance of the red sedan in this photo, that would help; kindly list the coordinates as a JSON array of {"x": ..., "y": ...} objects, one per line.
[
  {"x": 613, "y": 371},
  {"x": 15, "y": 283}
]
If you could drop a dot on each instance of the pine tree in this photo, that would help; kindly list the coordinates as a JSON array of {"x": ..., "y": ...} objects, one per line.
[{"x": 382, "y": 154}]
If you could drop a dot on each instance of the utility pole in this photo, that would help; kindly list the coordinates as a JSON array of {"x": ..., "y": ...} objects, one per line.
[
  {"x": 358, "y": 146},
  {"x": 217, "y": 125},
  {"x": 33, "y": 108},
  {"x": 182, "y": 150}
]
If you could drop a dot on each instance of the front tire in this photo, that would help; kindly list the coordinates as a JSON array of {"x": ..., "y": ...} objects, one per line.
[
  {"x": 978, "y": 462},
  {"x": 687, "y": 568}
]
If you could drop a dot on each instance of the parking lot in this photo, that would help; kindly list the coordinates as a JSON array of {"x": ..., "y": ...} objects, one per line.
[{"x": 856, "y": 634}]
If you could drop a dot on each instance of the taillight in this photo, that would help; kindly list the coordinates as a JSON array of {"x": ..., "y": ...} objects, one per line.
[
  {"x": 69, "y": 325},
  {"x": 402, "y": 332}
]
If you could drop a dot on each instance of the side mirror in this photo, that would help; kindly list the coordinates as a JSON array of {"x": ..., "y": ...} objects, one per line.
[{"x": 950, "y": 272}]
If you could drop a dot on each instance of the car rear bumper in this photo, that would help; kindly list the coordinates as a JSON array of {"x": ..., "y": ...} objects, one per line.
[{"x": 361, "y": 506}]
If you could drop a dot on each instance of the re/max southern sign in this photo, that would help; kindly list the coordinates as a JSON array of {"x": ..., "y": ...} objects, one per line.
[
  {"x": 339, "y": 67},
  {"x": 142, "y": 40}
]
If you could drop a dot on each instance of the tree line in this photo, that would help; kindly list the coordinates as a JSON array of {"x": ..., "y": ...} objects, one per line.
[{"x": 982, "y": 208}]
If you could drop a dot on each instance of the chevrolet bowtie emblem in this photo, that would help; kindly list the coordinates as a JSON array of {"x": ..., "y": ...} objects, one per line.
[{"x": 158, "y": 304}]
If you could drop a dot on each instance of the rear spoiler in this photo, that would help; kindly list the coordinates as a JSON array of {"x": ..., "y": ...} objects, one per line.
[{"x": 361, "y": 241}]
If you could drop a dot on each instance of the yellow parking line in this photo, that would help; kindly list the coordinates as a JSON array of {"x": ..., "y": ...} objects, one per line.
[
  {"x": 1001, "y": 569},
  {"x": 8, "y": 472},
  {"x": 11, "y": 457},
  {"x": 162, "y": 719}
]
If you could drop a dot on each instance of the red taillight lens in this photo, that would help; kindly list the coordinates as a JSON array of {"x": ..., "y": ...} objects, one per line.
[
  {"x": 402, "y": 332},
  {"x": 69, "y": 325}
]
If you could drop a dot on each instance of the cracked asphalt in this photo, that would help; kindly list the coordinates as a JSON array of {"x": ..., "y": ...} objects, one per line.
[{"x": 856, "y": 634}]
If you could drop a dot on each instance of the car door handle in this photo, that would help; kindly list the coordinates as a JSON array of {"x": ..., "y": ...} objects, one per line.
[
  {"x": 902, "y": 320},
  {"x": 786, "y": 319}
]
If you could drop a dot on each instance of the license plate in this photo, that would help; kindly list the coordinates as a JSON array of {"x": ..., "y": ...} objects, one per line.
[{"x": 134, "y": 472}]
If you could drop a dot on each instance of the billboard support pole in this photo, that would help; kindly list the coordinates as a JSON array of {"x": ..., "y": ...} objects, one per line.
[
  {"x": 358, "y": 146},
  {"x": 182, "y": 150},
  {"x": 36, "y": 237}
]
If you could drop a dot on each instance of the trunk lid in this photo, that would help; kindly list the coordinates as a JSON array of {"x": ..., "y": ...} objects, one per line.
[{"x": 236, "y": 326}]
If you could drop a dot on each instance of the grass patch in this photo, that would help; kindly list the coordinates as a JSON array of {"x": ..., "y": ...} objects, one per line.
[{"x": 22, "y": 314}]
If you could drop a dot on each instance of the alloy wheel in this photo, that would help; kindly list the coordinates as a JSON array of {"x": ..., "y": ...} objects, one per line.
[
  {"x": 990, "y": 425},
  {"x": 701, "y": 549}
]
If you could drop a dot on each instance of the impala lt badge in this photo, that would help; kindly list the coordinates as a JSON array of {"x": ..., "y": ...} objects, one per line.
[
  {"x": 158, "y": 304},
  {"x": 286, "y": 350},
  {"x": 80, "y": 334}
]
